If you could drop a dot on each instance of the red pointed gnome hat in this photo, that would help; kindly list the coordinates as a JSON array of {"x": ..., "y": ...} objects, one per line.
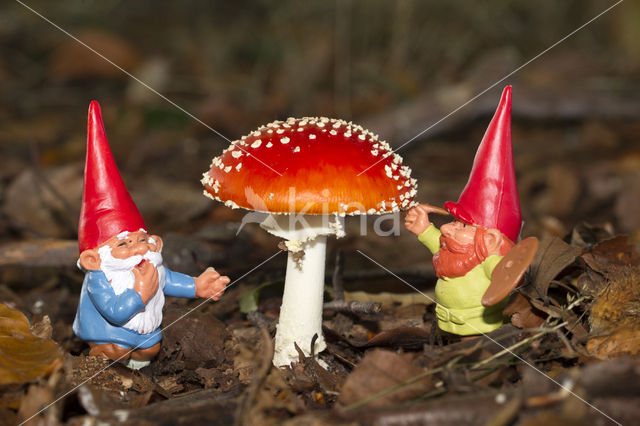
[
  {"x": 107, "y": 208},
  {"x": 490, "y": 198}
]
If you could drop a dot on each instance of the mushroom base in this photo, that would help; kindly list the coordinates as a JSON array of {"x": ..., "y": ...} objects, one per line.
[{"x": 301, "y": 310}]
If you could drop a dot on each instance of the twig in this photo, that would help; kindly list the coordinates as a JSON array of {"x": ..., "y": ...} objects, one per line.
[
  {"x": 339, "y": 304},
  {"x": 517, "y": 345},
  {"x": 337, "y": 279},
  {"x": 353, "y": 307}
]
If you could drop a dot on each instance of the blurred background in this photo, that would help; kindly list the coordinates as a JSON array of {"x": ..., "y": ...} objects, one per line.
[{"x": 395, "y": 67}]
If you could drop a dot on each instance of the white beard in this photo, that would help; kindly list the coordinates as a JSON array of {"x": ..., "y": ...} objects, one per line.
[{"x": 119, "y": 272}]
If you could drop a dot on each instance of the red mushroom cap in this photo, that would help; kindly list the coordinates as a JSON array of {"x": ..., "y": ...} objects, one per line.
[{"x": 325, "y": 166}]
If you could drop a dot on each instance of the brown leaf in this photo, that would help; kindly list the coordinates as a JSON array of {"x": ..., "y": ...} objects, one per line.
[
  {"x": 381, "y": 370},
  {"x": 622, "y": 342},
  {"x": 44, "y": 202},
  {"x": 552, "y": 257},
  {"x": 522, "y": 312},
  {"x": 612, "y": 253},
  {"x": 43, "y": 329},
  {"x": 23, "y": 356},
  {"x": 585, "y": 235}
]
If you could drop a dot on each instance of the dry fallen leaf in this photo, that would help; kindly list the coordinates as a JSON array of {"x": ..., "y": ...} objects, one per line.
[
  {"x": 23, "y": 357},
  {"x": 614, "y": 252},
  {"x": 552, "y": 257},
  {"x": 622, "y": 342},
  {"x": 381, "y": 370},
  {"x": 522, "y": 312}
]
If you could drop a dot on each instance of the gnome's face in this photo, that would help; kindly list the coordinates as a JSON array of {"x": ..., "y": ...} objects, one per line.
[
  {"x": 464, "y": 246},
  {"x": 123, "y": 252}
]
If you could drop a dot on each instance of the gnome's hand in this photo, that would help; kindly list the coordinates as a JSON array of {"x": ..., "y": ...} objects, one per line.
[
  {"x": 210, "y": 284},
  {"x": 146, "y": 281},
  {"x": 417, "y": 219}
]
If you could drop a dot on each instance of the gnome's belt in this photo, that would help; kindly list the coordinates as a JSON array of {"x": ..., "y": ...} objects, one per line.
[{"x": 459, "y": 316}]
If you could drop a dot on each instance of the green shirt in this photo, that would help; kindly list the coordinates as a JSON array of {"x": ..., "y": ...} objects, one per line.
[{"x": 459, "y": 307}]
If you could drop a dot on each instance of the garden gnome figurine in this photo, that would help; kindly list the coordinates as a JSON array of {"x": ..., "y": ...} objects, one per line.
[
  {"x": 120, "y": 308},
  {"x": 487, "y": 223}
]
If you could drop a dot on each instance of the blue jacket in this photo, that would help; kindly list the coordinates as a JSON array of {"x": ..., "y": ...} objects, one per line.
[{"x": 101, "y": 313}]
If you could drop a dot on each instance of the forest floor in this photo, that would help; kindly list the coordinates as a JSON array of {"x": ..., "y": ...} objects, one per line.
[{"x": 570, "y": 354}]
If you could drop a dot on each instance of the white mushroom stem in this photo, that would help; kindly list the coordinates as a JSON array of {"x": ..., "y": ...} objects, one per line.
[{"x": 301, "y": 310}]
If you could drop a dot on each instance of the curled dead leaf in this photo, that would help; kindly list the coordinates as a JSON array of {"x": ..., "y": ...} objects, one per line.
[{"x": 24, "y": 357}]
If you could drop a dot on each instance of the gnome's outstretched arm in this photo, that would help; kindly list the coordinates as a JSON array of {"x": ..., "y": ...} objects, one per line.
[
  {"x": 179, "y": 285},
  {"x": 117, "y": 309}
]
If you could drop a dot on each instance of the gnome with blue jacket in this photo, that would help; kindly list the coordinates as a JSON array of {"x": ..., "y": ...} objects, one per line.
[{"x": 123, "y": 293}]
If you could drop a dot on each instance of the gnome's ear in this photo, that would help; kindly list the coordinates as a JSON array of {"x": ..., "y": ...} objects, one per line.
[
  {"x": 90, "y": 260},
  {"x": 157, "y": 241},
  {"x": 492, "y": 240}
]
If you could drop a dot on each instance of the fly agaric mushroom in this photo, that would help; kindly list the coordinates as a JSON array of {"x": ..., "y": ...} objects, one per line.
[{"x": 307, "y": 174}]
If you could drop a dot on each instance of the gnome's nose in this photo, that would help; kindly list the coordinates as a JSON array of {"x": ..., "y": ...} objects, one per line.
[{"x": 140, "y": 248}]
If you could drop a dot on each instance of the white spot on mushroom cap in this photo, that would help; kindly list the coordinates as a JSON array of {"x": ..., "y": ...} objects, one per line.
[
  {"x": 231, "y": 204},
  {"x": 312, "y": 136},
  {"x": 280, "y": 131},
  {"x": 207, "y": 180},
  {"x": 269, "y": 144},
  {"x": 256, "y": 143},
  {"x": 236, "y": 154},
  {"x": 387, "y": 171},
  {"x": 296, "y": 149},
  {"x": 285, "y": 140},
  {"x": 227, "y": 169},
  {"x": 238, "y": 167}
]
